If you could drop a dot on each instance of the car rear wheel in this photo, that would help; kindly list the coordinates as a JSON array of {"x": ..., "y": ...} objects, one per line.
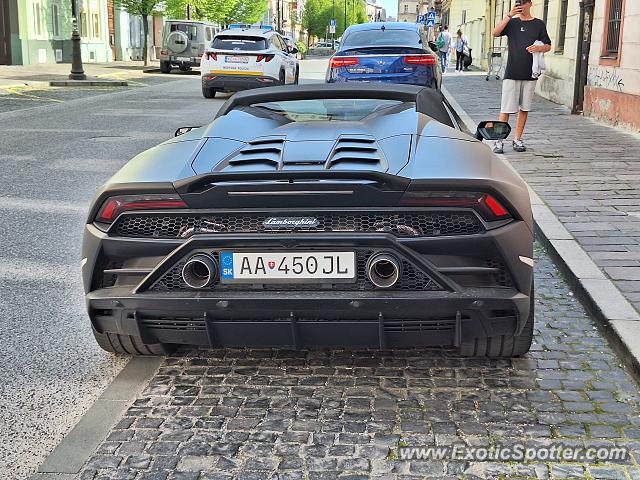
[
  {"x": 282, "y": 78},
  {"x": 296, "y": 79},
  {"x": 503, "y": 345},
  {"x": 208, "y": 92},
  {"x": 165, "y": 67},
  {"x": 130, "y": 345}
]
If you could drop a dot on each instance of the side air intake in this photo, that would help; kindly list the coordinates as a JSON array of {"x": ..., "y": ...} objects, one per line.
[{"x": 262, "y": 151}]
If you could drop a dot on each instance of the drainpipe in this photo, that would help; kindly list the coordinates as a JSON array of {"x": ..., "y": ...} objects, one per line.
[{"x": 585, "y": 23}]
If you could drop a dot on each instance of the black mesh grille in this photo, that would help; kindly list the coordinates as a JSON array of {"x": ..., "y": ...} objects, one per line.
[
  {"x": 411, "y": 279},
  {"x": 502, "y": 277},
  {"x": 109, "y": 279},
  {"x": 410, "y": 224}
]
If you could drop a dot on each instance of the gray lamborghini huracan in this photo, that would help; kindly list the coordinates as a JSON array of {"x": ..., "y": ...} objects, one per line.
[{"x": 315, "y": 216}]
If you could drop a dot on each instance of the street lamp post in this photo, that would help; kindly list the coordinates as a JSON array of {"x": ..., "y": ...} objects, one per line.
[{"x": 77, "y": 72}]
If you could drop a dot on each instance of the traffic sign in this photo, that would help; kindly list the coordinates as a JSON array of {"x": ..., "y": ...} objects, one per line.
[
  {"x": 332, "y": 29},
  {"x": 332, "y": 22},
  {"x": 420, "y": 19},
  {"x": 431, "y": 19}
]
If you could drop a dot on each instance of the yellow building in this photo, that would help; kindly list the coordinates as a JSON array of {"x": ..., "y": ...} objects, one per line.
[{"x": 470, "y": 17}]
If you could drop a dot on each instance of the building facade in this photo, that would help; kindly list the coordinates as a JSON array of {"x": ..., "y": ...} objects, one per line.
[
  {"x": 408, "y": 10},
  {"x": 39, "y": 31},
  {"x": 470, "y": 17},
  {"x": 612, "y": 91}
]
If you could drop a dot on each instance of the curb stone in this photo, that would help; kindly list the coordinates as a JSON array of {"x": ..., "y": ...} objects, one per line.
[
  {"x": 616, "y": 316},
  {"x": 73, "y": 451}
]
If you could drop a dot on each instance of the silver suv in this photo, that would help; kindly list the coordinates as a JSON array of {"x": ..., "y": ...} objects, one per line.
[{"x": 184, "y": 42}]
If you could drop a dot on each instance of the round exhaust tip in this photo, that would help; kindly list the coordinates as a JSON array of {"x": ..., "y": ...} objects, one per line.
[
  {"x": 200, "y": 271},
  {"x": 383, "y": 270}
]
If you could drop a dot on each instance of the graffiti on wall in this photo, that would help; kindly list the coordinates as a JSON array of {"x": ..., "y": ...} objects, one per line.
[{"x": 603, "y": 77}]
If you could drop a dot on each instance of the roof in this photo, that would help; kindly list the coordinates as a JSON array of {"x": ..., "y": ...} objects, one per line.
[
  {"x": 246, "y": 32},
  {"x": 390, "y": 25}
]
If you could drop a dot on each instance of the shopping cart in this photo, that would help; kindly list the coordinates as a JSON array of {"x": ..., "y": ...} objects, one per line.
[{"x": 495, "y": 59}]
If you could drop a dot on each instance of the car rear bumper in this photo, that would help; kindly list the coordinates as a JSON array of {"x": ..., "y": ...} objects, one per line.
[
  {"x": 178, "y": 61},
  {"x": 422, "y": 77},
  {"x": 309, "y": 319},
  {"x": 237, "y": 82}
]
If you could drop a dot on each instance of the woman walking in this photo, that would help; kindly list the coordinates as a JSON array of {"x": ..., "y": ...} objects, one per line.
[{"x": 462, "y": 45}]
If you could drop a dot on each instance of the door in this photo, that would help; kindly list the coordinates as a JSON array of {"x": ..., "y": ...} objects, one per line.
[
  {"x": 584, "y": 47},
  {"x": 5, "y": 34}
]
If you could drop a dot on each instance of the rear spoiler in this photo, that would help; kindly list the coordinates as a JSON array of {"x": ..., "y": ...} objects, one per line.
[
  {"x": 199, "y": 183},
  {"x": 289, "y": 189}
]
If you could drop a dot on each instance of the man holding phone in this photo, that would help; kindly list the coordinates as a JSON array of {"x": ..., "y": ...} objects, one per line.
[{"x": 518, "y": 87}]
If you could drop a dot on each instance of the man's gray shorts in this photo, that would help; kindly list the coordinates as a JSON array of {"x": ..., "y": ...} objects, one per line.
[{"x": 517, "y": 95}]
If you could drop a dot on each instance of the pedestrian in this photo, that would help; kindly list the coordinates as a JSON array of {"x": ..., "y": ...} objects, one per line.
[
  {"x": 522, "y": 30},
  {"x": 462, "y": 47},
  {"x": 444, "y": 47}
]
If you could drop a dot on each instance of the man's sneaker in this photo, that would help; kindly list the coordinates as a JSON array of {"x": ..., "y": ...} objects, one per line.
[
  {"x": 518, "y": 145},
  {"x": 498, "y": 146}
]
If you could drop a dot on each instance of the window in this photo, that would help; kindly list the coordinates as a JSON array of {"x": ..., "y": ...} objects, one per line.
[
  {"x": 248, "y": 44},
  {"x": 562, "y": 32},
  {"x": 207, "y": 32},
  {"x": 464, "y": 17},
  {"x": 406, "y": 8},
  {"x": 95, "y": 24},
  {"x": 84, "y": 27},
  {"x": 372, "y": 38},
  {"x": 545, "y": 12},
  {"x": 37, "y": 19},
  {"x": 613, "y": 28},
  {"x": 55, "y": 20},
  {"x": 328, "y": 109}
]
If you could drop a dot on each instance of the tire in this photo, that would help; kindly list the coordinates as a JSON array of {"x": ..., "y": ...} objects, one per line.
[
  {"x": 503, "y": 345},
  {"x": 165, "y": 67},
  {"x": 208, "y": 92},
  {"x": 130, "y": 345},
  {"x": 283, "y": 78},
  {"x": 296, "y": 79}
]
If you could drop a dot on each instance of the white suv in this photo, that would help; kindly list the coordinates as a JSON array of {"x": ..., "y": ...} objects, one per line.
[{"x": 239, "y": 59}]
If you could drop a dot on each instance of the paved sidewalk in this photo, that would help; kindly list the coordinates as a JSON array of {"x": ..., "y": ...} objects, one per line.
[
  {"x": 41, "y": 75},
  {"x": 588, "y": 174}
]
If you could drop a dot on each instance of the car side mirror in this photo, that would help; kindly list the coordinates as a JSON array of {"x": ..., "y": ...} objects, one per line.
[
  {"x": 293, "y": 50},
  {"x": 493, "y": 130},
  {"x": 183, "y": 130}
]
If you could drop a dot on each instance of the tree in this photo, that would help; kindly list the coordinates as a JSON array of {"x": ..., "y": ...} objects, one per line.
[
  {"x": 222, "y": 12},
  {"x": 318, "y": 13},
  {"x": 142, "y": 8}
]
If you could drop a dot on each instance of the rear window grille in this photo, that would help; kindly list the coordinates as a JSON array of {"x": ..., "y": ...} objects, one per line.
[
  {"x": 411, "y": 224},
  {"x": 412, "y": 279}
]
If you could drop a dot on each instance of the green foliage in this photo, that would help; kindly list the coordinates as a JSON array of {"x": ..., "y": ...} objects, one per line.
[
  {"x": 222, "y": 12},
  {"x": 318, "y": 13},
  {"x": 138, "y": 7},
  {"x": 302, "y": 47}
]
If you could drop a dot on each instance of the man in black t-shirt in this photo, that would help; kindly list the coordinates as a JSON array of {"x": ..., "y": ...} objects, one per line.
[{"x": 527, "y": 37}]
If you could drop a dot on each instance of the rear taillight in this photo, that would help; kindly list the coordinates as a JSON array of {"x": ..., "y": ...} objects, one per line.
[
  {"x": 337, "y": 62},
  {"x": 164, "y": 52},
  {"x": 114, "y": 206},
  {"x": 420, "y": 60},
  {"x": 267, "y": 57},
  {"x": 210, "y": 55},
  {"x": 485, "y": 204}
]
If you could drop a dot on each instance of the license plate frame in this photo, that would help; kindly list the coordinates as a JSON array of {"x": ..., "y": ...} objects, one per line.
[
  {"x": 347, "y": 265},
  {"x": 183, "y": 59},
  {"x": 236, "y": 59}
]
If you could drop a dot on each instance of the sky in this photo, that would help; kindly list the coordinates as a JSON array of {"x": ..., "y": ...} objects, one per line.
[{"x": 391, "y": 6}]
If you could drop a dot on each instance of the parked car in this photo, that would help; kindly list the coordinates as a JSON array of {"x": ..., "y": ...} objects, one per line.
[
  {"x": 393, "y": 52},
  {"x": 239, "y": 59},
  {"x": 184, "y": 42},
  {"x": 360, "y": 215}
]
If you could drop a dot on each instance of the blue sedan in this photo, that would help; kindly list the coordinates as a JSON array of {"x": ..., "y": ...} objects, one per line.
[{"x": 392, "y": 52}]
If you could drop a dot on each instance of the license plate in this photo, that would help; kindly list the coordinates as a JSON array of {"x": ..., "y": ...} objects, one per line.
[
  {"x": 235, "y": 59},
  {"x": 287, "y": 267},
  {"x": 184, "y": 59}
]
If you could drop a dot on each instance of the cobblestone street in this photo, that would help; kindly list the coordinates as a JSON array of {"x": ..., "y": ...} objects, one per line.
[{"x": 244, "y": 414}]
